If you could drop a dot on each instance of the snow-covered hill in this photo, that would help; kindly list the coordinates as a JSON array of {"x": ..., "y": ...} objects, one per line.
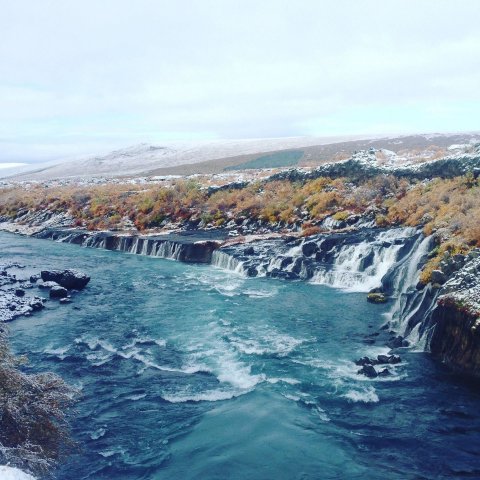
[{"x": 144, "y": 157}]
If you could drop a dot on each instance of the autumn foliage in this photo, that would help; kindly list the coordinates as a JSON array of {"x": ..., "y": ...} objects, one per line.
[{"x": 450, "y": 208}]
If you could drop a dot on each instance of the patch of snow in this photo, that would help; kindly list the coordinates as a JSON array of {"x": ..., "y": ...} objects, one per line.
[{"x": 11, "y": 473}]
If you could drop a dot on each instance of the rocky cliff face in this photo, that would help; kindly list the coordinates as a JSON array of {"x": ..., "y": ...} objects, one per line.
[
  {"x": 364, "y": 165},
  {"x": 456, "y": 320}
]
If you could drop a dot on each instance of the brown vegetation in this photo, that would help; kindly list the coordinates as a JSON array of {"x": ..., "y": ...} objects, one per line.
[
  {"x": 33, "y": 427},
  {"x": 448, "y": 208}
]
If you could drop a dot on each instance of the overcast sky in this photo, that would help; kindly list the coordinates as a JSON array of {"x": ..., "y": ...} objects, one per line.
[{"x": 89, "y": 75}]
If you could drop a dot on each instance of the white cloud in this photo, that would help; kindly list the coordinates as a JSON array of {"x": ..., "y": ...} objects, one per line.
[{"x": 77, "y": 76}]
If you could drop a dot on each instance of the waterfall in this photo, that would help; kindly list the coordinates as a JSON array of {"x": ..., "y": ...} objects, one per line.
[
  {"x": 409, "y": 301},
  {"x": 348, "y": 269},
  {"x": 167, "y": 249},
  {"x": 173, "y": 247},
  {"x": 356, "y": 261},
  {"x": 362, "y": 267},
  {"x": 227, "y": 262}
]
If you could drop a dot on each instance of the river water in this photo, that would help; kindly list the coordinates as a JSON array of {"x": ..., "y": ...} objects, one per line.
[{"x": 192, "y": 372}]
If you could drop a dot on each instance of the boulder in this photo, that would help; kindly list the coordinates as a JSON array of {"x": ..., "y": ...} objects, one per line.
[
  {"x": 384, "y": 373},
  {"x": 251, "y": 271},
  {"x": 364, "y": 361},
  {"x": 69, "y": 279},
  {"x": 437, "y": 276},
  {"x": 390, "y": 359},
  {"x": 249, "y": 251},
  {"x": 376, "y": 298},
  {"x": 34, "y": 278},
  {"x": 394, "y": 359},
  {"x": 58, "y": 292},
  {"x": 36, "y": 304},
  {"x": 396, "y": 342},
  {"x": 309, "y": 248},
  {"x": 369, "y": 371}
]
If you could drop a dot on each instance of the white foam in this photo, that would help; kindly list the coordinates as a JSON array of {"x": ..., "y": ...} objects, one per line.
[
  {"x": 367, "y": 395},
  {"x": 260, "y": 293},
  {"x": 59, "y": 352},
  {"x": 322, "y": 414},
  {"x": 99, "y": 433},
  {"x": 134, "y": 398},
  {"x": 211, "y": 396},
  {"x": 290, "y": 381},
  {"x": 288, "y": 396},
  {"x": 267, "y": 344}
]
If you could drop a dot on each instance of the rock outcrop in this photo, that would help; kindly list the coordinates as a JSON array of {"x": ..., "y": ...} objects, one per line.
[
  {"x": 68, "y": 279},
  {"x": 456, "y": 320}
]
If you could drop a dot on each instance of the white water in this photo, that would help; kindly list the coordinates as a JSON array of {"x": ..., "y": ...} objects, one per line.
[
  {"x": 406, "y": 279},
  {"x": 154, "y": 247},
  {"x": 348, "y": 271},
  {"x": 11, "y": 473}
]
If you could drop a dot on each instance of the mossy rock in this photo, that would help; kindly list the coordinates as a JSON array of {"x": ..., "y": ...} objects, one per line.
[{"x": 377, "y": 298}]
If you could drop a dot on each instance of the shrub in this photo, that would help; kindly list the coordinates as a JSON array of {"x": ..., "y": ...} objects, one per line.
[{"x": 33, "y": 427}]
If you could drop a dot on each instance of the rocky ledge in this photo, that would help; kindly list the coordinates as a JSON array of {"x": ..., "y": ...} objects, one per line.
[{"x": 187, "y": 246}]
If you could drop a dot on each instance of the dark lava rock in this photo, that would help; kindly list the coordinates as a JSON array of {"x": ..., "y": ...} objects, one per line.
[
  {"x": 396, "y": 342},
  {"x": 36, "y": 304},
  {"x": 420, "y": 286},
  {"x": 251, "y": 271},
  {"x": 384, "y": 373},
  {"x": 394, "y": 359},
  {"x": 437, "y": 276},
  {"x": 249, "y": 251},
  {"x": 369, "y": 371},
  {"x": 297, "y": 266},
  {"x": 364, "y": 361},
  {"x": 367, "y": 261},
  {"x": 376, "y": 298},
  {"x": 309, "y": 248},
  {"x": 70, "y": 279},
  {"x": 58, "y": 292},
  {"x": 391, "y": 359},
  {"x": 34, "y": 278},
  {"x": 19, "y": 292},
  {"x": 286, "y": 262}
]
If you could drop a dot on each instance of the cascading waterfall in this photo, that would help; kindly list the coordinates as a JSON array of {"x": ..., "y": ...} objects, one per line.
[
  {"x": 181, "y": 249},
  {"x": 227, "y": 262},
  {"x": 358, "y": 261},
  {"x": 410, "y": 302},
  {"x": 359, "y": 267}
]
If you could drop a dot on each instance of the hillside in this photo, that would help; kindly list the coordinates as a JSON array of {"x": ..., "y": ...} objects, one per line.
[{"x": 223, "y": 156}]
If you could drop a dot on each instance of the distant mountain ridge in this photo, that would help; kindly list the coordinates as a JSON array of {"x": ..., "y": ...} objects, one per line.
[{"x": 219, "y": 156}]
